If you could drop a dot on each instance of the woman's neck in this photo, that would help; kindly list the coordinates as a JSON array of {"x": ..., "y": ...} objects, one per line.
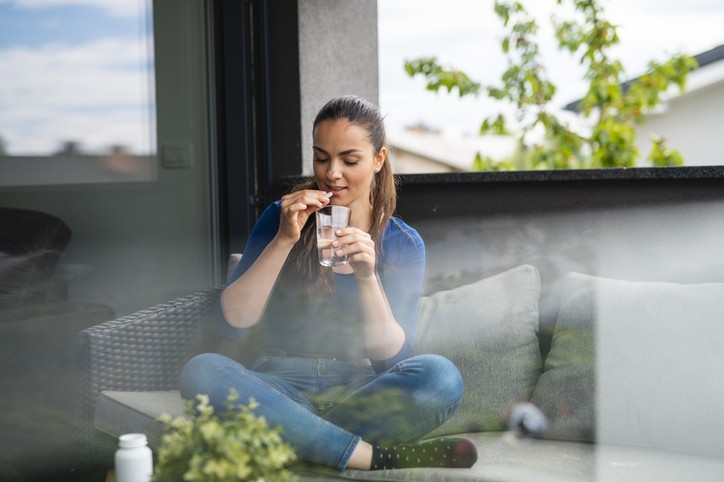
[{"x": 361, "y": 218}]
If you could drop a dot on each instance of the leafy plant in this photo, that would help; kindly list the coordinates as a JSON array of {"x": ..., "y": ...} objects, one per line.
[
  {"x": 614, "y": 106},
  {"x": 234, "y": 446}
]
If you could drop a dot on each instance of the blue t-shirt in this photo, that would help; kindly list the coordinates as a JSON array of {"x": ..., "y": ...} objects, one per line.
[{"x": 331, "y": 325}]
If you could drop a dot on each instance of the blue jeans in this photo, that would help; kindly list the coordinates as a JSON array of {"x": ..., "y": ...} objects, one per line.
[{"x": 326, "y": 406}]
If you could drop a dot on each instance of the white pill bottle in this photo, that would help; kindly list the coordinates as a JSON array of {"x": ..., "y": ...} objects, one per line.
[{"x": 134, "y": 460}]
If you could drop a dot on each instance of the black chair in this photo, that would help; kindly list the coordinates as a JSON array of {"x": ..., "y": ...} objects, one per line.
[{"x": 31, "y": 243}]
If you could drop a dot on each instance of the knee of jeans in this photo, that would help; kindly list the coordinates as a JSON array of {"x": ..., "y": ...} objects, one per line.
[
  {"x": 443, "y": 377},
  {"x": 195, "y": 373}
]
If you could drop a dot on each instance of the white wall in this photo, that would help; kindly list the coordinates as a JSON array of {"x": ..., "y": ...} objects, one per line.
[
  {"x": 404, "y": 162},
  {"x": 692, "y": 123}
]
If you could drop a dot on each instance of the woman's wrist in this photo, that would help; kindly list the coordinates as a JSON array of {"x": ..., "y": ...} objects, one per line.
[
  {"x": 370, "y": 278},
  {"x": 282, "y": 242}
]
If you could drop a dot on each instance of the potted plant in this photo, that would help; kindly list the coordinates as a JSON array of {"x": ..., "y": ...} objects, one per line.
[{"x": 233, "y": 446}]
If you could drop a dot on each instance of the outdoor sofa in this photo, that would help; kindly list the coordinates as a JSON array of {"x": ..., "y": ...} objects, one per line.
[
  {"x": 628, "y": 373},
  {"x": 595, "y": 295}
]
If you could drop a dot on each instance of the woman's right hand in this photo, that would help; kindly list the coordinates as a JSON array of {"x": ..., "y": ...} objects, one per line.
[
  {"x": 243, "y": 301},
  {"x": 296, "y": 209}
]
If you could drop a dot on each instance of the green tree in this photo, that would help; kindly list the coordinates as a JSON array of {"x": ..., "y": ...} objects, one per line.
[
  {"x": 614, "y": 107},
  {"x": 3, "y": 149}
]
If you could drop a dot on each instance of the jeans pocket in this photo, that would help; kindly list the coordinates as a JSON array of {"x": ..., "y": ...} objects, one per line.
[{"x": 363, "y": 363}]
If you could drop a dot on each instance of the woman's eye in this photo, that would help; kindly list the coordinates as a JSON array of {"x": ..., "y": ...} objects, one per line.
[
  {"x": 320, "y": 159},
  {"x": 351, "y": 162}
]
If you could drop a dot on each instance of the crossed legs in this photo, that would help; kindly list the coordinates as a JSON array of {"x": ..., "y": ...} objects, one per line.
[{"x": 395, "y": 407}]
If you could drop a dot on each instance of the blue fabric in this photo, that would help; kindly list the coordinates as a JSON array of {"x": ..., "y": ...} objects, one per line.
[
  {"x": 331, "y": 327},
  {"x": 326, "y": 406}
]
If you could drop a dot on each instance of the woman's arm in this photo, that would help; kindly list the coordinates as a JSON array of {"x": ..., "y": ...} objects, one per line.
[
  {"x": 384, "y": 337},
  {"x": 244, "y": 299},
  {"x": 389, "y": 305}
]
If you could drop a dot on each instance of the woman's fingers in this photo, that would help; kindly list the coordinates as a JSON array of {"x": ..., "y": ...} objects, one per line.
[
  {"x": 303, "y": 200},
  {"x": 356, "y": 244},
  {"x": 297, "y": 207},
  {"x": 362, "y": 259}
]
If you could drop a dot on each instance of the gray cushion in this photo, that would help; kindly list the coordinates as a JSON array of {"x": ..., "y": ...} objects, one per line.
[
  {"x": 117, "y": 413},
  {"x": 658, "y": 366},
  {"x": 503, "y": 458},
  {"x": 566, "y": 389},
  {"x": 488, "y": 329}
]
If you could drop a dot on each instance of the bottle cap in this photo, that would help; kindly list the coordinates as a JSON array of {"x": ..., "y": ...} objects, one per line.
[{"x": 131, "y": 440}]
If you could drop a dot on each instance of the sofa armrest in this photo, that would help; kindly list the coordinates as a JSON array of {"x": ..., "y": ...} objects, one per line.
[{"x": 143, "y": 351}]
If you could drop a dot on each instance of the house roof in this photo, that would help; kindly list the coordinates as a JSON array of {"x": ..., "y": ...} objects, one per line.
[
  {"x": 710, "y": 56},
  {"x": 704, "y": 59},
  {"x": 451, "y": 148}
]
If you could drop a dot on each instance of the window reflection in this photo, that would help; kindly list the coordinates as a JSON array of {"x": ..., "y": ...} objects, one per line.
[
  {"x": 77, "y": 130},
  {"x": 76, "y": 95}
]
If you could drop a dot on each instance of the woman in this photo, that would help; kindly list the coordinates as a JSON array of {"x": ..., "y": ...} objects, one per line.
[{"x": 337, "y": 371}]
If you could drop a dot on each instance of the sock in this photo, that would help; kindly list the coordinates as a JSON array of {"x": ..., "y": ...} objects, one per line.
[{"x": 446, "y": 452}]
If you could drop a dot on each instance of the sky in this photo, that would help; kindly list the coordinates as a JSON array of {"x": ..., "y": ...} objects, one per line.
[
  {"x": 74, "y": 62},
  {"x": 465, "y": 35},
  {"x": 75, "y": 70}
]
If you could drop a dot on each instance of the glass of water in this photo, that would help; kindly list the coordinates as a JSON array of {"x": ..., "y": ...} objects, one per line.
[{"x": 329, "y": 220}]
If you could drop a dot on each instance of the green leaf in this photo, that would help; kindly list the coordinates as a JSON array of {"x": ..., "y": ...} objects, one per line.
[{"x": 233, "y": 446}]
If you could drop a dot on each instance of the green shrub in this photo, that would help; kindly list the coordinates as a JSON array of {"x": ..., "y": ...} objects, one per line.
[{"x": 233, "y": 446}]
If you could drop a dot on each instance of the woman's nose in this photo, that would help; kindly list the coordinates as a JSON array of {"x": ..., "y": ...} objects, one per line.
[{"x": 334, "y": 171}]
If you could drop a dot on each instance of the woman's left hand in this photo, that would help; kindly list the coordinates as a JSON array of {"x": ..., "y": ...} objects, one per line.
[{"x": 360, "y": 250}]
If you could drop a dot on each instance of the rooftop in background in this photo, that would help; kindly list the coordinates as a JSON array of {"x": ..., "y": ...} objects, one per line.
[
  {"x": 421, "y": 150},
  {"x": 710, "y": 70}
]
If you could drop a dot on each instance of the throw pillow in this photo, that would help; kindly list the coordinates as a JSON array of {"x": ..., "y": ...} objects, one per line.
[
  {"x": 658, "y": 368},
  {"x": 565, "y": 391},
  {"x": 489, "y": 330}
]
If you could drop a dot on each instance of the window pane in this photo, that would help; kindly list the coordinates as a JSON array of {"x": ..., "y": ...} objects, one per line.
[
  {"x": 439, "y": 131},
  {"x": 93, "y": 224},
  {"x": 77, "y": 106}
]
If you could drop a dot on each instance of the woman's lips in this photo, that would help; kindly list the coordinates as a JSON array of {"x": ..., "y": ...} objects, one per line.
[{"x": 335, "y": 190}]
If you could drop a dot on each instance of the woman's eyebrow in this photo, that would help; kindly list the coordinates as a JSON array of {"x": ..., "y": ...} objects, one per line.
[{"x": 343, "y": 153}]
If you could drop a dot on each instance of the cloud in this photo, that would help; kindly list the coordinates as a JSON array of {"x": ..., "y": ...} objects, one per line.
[
  {"x": 121, "y": 8},
  {"x": 99, "y": 93}
]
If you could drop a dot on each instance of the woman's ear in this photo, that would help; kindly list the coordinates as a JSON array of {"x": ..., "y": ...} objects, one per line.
[{"x": 380, "y": 159}]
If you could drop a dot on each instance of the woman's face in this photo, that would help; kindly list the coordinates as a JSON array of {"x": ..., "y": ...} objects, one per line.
[{"x": 345, "y": 163}]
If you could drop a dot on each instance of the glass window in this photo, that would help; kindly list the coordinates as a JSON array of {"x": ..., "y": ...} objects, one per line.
[
  {"x": 94, "y": 225},
  {"x": 77, "y": 105},
  {"x": 439, "y": 132}
]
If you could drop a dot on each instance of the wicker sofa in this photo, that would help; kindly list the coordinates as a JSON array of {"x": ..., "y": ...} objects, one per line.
[{"x": 631, "y": 391}]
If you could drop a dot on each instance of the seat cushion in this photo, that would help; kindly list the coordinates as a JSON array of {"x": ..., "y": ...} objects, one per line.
[
  {"x": 125, "y": 412},
  {"x": 503, "y": 457},
  {"x": 489, "y": 330}
]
